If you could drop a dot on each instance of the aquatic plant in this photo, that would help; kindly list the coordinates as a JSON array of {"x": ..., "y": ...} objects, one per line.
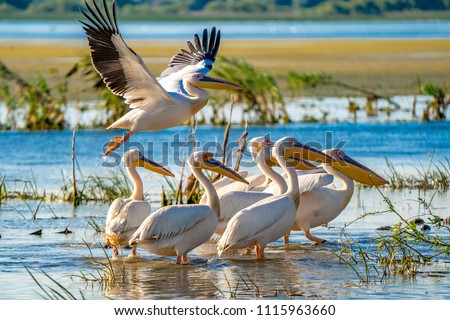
[
  {"x": 399, "y": 249},
  {"x": 43, "y": 105},
  {"x": 437, "y": 107},
  {"x": 53, "y": 293},
  {"x": 434, "y": 175}
]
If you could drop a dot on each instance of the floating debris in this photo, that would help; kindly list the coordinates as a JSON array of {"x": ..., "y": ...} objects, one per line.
[
  {"x": 425, "y": 227},
  {"x": 65, "y": 231},
  {"x": 384, "y": 228},
  {"x": 417, "y": 221},
  {"x": 37, "y": 233}
]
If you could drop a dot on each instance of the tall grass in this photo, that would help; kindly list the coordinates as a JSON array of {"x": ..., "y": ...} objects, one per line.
[
  {"x": 433, "y": 175},
  {"x": 401, "y": 249}
]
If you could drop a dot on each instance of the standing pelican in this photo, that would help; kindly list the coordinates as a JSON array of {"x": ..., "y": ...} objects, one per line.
[
  {"x": 155, "y": 104},
  {"x": 232, "y": 202},
  {"x": 126, "y": 215},
  {"x": 322, "y": 205},
  {"x": 176, "y": 230},
  {"x": 270, "y": 218}
]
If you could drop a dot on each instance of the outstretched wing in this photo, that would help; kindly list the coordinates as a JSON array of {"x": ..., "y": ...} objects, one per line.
[
  {"x": 122, "y": 70},
  {"x": 204, "y": 50}
]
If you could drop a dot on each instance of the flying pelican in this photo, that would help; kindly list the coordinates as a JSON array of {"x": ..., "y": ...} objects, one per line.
[
  {"x": 156, "y": 103},
  {"x": 322, "y": 205},
  {"x": 126, "y": 215},
  {"x": 270, "y": 218},
  {"x": 176, "y": 230}
]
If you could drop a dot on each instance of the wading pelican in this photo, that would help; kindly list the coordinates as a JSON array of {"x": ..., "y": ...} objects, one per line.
[
  {"x": 126, "y": 215},
  {"x": 269, "y": 219},
  {"x": 176, "y": 230},
  {"x": 156, "y": 103},
  {"x": 322, "y": 205},
  {"x": 231, "y": 202}
]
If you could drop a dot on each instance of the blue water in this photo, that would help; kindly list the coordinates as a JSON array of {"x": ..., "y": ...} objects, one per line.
[
  {"x": 13, "y": 29},
  {"x": 48, "y": 154},
  {"x": 304, "y": 269}
]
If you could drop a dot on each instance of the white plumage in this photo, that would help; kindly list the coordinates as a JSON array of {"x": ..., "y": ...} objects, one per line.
[
  {"x": 324, "y": 204},
  {"x": 176, "y": 230},
  {"x": 125, "y": 215},
  {"x": 156, "y": 103},
  {"x": 270, "y": 218}
]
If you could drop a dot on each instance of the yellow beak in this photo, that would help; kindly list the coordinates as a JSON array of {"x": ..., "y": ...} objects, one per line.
[
  {"x": 216, "y": 166},
  {"x": 216, "y": 83},
  {"x": 358, "y": 172},
  {"x": 153, "y": 166},
  {"x": 301, "y": 151},
  {"x": 300, "y": 164}
]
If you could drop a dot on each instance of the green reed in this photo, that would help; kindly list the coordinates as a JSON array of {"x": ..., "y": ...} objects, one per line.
[{"x": 401, "y": 249}]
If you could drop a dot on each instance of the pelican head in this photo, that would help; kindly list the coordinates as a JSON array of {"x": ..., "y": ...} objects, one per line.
[
  {"x": 200, "y": 80},
  {"x": 353, "y": 169},
  {"x": 256, "y": 144},
  {"x": 296, "y": 150},
  {"x": 134, "y": 158},
  {"x": 205, "y": 160}
]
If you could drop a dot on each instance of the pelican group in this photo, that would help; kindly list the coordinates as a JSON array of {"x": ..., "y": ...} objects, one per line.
[
  {"x": 245, "y": 212},
  {"x": 272, "y": 217},
  {"x": 175, "y": 230},
  {"x": 156, "y": 103}
]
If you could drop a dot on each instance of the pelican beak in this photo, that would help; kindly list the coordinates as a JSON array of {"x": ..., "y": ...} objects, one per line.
[
  {"x": 358, "y": 172},
  {"x": 300, "y": 164},
  {"x": 153, "y": 166},
  {"x": 216, "y": 166},
  {"x": 301, "y": 151},
  {"x": 216, "y": 83}
]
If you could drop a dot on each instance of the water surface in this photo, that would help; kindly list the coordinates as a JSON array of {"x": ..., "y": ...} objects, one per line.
[
  {"x": 295, "y": 271},
  {"x": 14, "y": 29}
]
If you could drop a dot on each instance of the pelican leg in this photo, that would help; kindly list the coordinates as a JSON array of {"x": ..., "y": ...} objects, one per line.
[
  {"x": 178, "y": 261},
  {"x": 313, "y": 238},
  {"x": 133, "y": 253},
  {"x": 286, "y": 237},
  {"x": 115, "y": 252},
  {"x": 184, "y": 258},
  {"x": 259, "y": 252},
  {"x": 117, "y": 142}
]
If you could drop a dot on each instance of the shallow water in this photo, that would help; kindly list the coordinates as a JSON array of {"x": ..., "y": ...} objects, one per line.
[
  {"x": 298, "y": 270},
  {"x": 295, "y": 271}
]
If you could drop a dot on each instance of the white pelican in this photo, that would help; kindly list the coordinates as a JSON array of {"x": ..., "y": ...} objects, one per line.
[
  {"x": 176, "y": 230},
  {"x": 271, "y": 218},
  {"x": 322, "y": 205},
  {"x": 232, "y": 202},
  {"x": 126, "y": 215},
  {"x": 156, "y": 103}
]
